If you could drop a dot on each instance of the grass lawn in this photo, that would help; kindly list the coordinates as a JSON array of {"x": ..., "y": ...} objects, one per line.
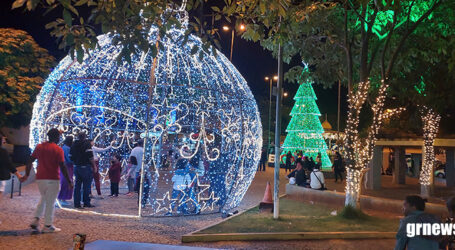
[{"x": 296, "y": 216}]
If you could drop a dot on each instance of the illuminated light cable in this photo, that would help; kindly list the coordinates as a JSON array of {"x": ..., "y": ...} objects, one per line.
[
  {"x": 198, "y": 108},
  {"x": 304, "y": 131}
]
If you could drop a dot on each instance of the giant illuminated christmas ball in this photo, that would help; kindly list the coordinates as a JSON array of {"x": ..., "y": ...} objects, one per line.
[{"x": 197, "y": 116}]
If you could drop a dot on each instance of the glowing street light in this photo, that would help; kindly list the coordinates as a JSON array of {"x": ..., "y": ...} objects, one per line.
[{"x": 242, "y": 27}]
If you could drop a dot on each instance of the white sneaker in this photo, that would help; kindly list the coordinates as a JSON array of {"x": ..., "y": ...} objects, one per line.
[
  {"x": 50, "y": 229},
  {"x": 35, "y": 224}
]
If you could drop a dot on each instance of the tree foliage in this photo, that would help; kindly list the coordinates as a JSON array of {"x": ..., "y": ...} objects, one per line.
[
  {"x": 23, "y": 68},
  {"x": 129, "y": 20}
]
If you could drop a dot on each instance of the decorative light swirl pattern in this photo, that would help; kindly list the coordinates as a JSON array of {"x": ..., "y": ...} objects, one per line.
[{"x": 200, "y": 109}]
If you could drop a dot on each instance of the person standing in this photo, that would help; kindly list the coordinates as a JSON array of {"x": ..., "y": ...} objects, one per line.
[
  {"x": 131, "y": 175},
  {"x": 413, "y": 210},
  {"x": 96, "y": 175},
  {"x": 66, "y": 193},
  {"x": 288, "y": 161},
  {"x": 338, "y": 166},
  {"x": 138, "y": 153},
  {"x": 263, "y": 160},
  {"x": 311, "y": 164},
  {"x": 319, "y": 161},
  {"x": 6, "y": 169},
  {"x": 114, "y": 172},
  {"x": 84, "y": 167},
  {"x": 50, "y": 158}
]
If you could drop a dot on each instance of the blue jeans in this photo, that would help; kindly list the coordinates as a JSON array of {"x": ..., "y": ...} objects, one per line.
[{"x": 84, "y": 177}]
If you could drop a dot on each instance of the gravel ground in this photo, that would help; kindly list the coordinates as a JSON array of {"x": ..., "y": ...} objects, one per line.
[{"x": 16, "y": 214}]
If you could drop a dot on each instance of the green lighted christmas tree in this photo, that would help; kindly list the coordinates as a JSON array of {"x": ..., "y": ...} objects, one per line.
[{"x": 305, "y": 129}]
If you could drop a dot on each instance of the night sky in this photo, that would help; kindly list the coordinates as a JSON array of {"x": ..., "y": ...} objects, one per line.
[{"x": 249, "y": 58}]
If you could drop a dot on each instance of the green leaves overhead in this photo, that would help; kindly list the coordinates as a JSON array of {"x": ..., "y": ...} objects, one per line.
[{"x": 130, "y": 19}]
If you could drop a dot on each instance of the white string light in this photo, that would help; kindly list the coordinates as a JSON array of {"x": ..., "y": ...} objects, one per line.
[
  {"x": 199, "y": 108},
  {"x": 359, "y": 152},
  {"x": 430, "y": 120}
]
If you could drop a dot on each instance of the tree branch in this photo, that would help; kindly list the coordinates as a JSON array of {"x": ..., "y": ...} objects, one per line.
[
  {"x": 356, "y": 12},
  {"x": 348, "y": 48},
  {"x": 404, "y": 38},
  {"x": 386, "y": 45}
]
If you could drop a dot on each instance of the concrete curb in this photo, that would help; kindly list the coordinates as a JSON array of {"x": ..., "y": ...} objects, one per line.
[
  {"x": 225, "y": 219},
  {"x": 188, "y": 238},
  {"x": 366, "y": 202},
  {"x": 276, "y": 236}
]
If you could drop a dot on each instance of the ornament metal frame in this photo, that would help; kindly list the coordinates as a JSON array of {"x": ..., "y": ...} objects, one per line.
[{"x": 196, "y": 108}]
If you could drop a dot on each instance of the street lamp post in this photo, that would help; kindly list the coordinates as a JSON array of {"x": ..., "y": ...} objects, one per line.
[
  {"x": 227, "y": 28},
  {"x": 270, "y": 79},
  {"x": 276, "y": 199}
]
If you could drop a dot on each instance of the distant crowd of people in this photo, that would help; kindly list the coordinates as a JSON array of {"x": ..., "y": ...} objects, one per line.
[
  {"x": 305, "y": 171},
  {"x": 67, "y": 172},
  {"x": 57, "y": 167}
]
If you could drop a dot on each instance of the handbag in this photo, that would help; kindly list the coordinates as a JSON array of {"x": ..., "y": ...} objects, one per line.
[{"x": 320, "y": 182}]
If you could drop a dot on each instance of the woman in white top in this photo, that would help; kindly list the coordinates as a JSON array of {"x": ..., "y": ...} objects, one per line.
[
  {"x": 96, "y": 176},
  {"x": 317, "y": 178}
]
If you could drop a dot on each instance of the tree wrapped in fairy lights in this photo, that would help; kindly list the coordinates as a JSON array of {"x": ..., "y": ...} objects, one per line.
[
  {"x": 305, "y": 129},
  {"x": 197, "y": 116}
]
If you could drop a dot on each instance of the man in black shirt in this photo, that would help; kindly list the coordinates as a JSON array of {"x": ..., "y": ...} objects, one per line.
[
  {"x": 6, "y": 169},
  {"x": 299, "y": 175},
  {"x": 84, "y": 167}
]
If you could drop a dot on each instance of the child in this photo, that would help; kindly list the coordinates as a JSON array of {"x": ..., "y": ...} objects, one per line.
[
  {"x": 114, "y": 174},
  {"x": 131, "y": 175}
]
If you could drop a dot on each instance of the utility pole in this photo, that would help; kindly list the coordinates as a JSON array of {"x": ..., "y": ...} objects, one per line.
[
  {"x": 338, "y": 115},
  {"x": 276, "y": 201},
  {"x": 270, "y": 118}
]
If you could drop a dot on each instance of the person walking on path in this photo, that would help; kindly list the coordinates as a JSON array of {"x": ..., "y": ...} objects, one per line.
[
  {"x": 96, "y": 175},
  {"x": 6, "y": 169},
  {"x": 50, "y": 158},
  {"x": 413, "y": 207},
  {"x": 338, "y": 166},
  {"x": 288, "y": 161},
  {"x": 114, "y": 174},
  {"x": 66, "y": 192},
  {"x": 84, "y": 167}
]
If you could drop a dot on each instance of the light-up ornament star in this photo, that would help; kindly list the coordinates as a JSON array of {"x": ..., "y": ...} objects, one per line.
[
  {"x": 203, "y": 107},
  {"x": 165, "y": 204},
  {"x": 211, "y": 199}
]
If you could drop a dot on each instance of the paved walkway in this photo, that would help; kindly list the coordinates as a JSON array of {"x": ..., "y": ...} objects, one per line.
[{"x": 16, "y": 213}]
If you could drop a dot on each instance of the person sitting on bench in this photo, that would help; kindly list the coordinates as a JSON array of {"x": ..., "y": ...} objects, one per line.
[
  {"x": 317, "y": 178},
  {"x": 299, "y": 175}
]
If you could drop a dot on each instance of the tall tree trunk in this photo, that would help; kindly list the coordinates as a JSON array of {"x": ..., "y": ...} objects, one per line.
[
  {"x": 352, "y": 187},
  {"x": 430, "y": 120}
]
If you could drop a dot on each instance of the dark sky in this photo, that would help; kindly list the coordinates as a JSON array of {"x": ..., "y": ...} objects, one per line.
[{"x": 250, "y": 59}]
